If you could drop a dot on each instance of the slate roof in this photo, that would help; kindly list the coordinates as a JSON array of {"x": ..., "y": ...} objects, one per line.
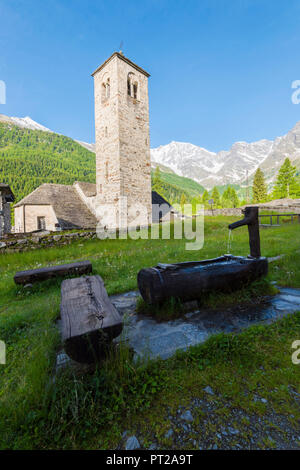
[
  {"x": 287, "y": 204},
  {"x": 165, "y": 209},
  {"x": 7, "y": 192},
  {"x": 89, "y": 189},
  {"x": 70, "y": 210}
]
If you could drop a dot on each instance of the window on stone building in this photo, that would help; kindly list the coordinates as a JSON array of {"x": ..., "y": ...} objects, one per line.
[
  {"x": 132, "y": 86},
  {"x": 106, "y": 89},
  {"x": 128, "y": 86},
  {"x": 107, "y": 86},
  {"x": 106, "y": 170},
  {"x": 41, "y": 223}
]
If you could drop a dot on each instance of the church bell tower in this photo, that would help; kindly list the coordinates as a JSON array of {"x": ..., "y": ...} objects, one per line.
[{"x": 123, "y": 166}]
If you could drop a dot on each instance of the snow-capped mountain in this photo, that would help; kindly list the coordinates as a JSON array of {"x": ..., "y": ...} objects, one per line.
[
  {"x": 209, "y": 168},
  {"x": 232, "y": 166},
  {"x": 25, "y": 122},
  {"x": 90, "y": 147}
]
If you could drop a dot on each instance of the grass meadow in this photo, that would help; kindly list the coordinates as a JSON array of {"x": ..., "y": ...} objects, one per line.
[{"x": 92, "y": 411}]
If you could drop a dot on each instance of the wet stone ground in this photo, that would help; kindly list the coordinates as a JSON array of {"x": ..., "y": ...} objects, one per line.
[{"x": 150, "y": 338}]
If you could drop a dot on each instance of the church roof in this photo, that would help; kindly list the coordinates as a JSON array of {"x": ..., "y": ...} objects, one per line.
[
  {"x": 122, "y": 57},
  {"x": 88, "y": 189},
  {"x": 7, "y": 192},
  {"x": 165, "y": 208},
  {"x": 69, "y": 209}
]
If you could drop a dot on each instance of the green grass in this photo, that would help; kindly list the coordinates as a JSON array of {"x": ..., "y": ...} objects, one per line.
[
  {"x": 170, "y": 309},
  {"x": 92, "y": 411}
]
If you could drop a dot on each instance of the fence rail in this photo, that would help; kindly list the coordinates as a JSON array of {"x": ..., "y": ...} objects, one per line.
[{"x": 292, "y": 216}]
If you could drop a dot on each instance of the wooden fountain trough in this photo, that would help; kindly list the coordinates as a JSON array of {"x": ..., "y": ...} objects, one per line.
[{"x": 190, "y": 280}]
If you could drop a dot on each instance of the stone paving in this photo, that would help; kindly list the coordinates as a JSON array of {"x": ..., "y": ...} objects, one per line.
[{"x": 150, "y": 338}]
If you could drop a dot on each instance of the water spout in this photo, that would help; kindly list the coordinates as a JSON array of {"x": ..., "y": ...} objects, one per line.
[
  {"x": 229, "y": 242},
  {"x": 251, "y": 220}
]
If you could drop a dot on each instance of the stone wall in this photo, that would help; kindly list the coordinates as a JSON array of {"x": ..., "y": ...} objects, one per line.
[
  {"x": 23, "y": 242},
  {"x": 31, "y": 214},
  {"x": 123, "y": 166},
  {"x": 233, "y": 211}
]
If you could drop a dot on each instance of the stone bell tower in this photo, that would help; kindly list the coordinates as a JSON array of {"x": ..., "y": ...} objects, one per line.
[{"x": 123, "y": 166}]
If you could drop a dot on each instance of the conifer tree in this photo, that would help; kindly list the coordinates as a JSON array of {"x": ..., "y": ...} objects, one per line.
[
  {"x": 216, "y": 197},
  {"x": 205, "y": 197},
  {"x": 259, "y": 190},
  {"x": 286, "y": 181},
  {"x": 157, "y": 183},
  {"x": 183, "y": 201}
]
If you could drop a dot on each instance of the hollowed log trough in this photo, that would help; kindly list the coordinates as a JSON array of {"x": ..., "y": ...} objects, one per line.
[{"x": 190, "y": 280}]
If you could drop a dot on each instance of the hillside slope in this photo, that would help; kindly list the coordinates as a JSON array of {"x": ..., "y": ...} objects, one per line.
[{"x": 29, "y": 158}]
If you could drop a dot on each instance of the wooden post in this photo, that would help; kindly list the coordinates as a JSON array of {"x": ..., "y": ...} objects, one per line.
[{"x": 250, "y": 219}]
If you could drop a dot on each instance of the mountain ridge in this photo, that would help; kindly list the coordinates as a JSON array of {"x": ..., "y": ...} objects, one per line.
[{"x": 233, "y": 166}]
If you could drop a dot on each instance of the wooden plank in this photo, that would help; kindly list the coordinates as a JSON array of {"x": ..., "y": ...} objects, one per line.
[
  {"x": 42, "y": 274},
  {"x": 89, "y": 320}
]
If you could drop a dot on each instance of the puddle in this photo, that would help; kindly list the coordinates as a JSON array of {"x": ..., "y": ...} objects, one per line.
[{"x": 150, "y": 338}]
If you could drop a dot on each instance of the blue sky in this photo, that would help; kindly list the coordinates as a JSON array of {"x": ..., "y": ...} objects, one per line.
[{"x": 221, "y": 70}]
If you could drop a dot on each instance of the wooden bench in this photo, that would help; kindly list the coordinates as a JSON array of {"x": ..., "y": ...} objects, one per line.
[
  {"x": 42, "y": 274},
  {"x": 89, "y": 320}
]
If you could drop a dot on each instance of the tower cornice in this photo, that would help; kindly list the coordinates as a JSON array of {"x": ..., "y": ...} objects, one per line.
[{"x": 122, "y": 57}]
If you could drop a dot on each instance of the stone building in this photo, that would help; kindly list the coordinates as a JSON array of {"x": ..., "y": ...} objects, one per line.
[
  {"x": 63, "y": 207},
  {"x": 56, "y": 207},
  {"x": 6, "y": 198},
  {"x": 123, "y": 166}
]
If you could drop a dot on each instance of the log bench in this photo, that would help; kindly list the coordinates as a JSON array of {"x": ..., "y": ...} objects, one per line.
[
  {"x": 89, "y": 320},
  {"x": 42, "y": 274}
]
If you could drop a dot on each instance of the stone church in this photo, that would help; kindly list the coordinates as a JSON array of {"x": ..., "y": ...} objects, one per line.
[{"x": 123, "y": 166}]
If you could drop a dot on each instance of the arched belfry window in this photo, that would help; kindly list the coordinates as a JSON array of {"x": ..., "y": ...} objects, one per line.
[
  {"x": 128, "y": 86},
  {"x": 105, "y": 88},
  {"x": 132, "y": 86},
  {"x": 135, "y": 90}
]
